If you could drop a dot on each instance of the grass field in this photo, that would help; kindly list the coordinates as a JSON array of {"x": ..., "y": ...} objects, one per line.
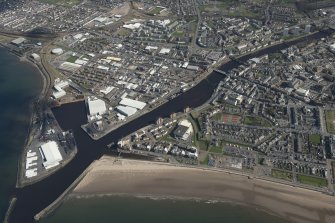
[
  {"x": 313, "y": 181},
  {"x": 283, "y": 175},
  {"x": 256, "y": 121},
  {"x": 330, "y": 118},
  {"x": 178, "y": 33},
  {"x": 215, "y": 149},
  {"x": 205, "y": 161},
  {"x": 198, "y": 142},
  {"x": 315, "y": 139},
  {"x": 72, "y": 59},
  {"x": 155, "y": 11},
  {"x": 4, "y": 38}
]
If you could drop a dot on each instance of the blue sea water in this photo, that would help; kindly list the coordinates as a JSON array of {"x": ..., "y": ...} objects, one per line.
[{"x": 20, "y": 84}]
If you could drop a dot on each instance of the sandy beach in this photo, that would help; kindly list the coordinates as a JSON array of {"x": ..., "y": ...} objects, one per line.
[{"x": 108, "y": 176}]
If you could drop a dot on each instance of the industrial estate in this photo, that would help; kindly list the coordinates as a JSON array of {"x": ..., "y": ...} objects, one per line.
[{"x": 271, "y": 117}]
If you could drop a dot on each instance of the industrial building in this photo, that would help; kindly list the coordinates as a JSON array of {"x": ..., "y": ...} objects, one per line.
[
  {"x": 96, "y": 106},
  {"x": 126, "y": 111},
  {"x": 50, "y": 154},
  {"x": 31, "y": 170},
  {"x": 18, "y": 41},
  {"x": 132, "y": 103},
  {"x": 35, "y": 56},
  {"x": 58, "y": 88}
]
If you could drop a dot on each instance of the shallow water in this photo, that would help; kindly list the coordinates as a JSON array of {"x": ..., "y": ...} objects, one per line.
[{"x": 132, "y": 209}]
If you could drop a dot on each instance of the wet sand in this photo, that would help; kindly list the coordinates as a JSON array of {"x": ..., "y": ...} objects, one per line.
[{"x": 131, "y": 177}]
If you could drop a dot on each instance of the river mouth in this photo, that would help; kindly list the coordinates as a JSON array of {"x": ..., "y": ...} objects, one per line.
[{"x": 72, "y": 116}]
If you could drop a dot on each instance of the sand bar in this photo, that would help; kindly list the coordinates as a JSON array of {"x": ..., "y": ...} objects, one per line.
[{"x": 108, "y": 176}]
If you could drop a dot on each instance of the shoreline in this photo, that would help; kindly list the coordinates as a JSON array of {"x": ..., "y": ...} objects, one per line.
[{"x": 110, "y": 176}]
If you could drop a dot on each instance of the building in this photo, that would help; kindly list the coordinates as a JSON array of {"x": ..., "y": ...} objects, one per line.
[
  {"x": 332, "y": 48},
  {"x": 58, "y": 88},
  {"x": 296, "y": 30},
  {"x": 57, "y": 51},
  {"x": 36, "y": 57},
  {"x": 96, "y": 106},
  {"x": 51, "y": 155},
  {"x": 132, "y": 103},
  {"x": 308, "y": 28},
  {"x": 126, "y": 111},
  {"x": 183, "y": 130},
  {"x": 302, "y": 92},
  {"x": 19, "y": 41},
  {"x": 285, "y": 32}
]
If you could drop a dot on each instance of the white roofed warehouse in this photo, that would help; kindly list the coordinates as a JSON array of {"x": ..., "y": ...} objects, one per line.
[
  {"x": 96, "y": 106},
  {"x": 132, "y": 103},
  {"x": 50, "y": 154}
]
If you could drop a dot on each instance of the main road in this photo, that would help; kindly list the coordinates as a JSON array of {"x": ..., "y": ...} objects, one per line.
[{"x": 34, "y": 198}]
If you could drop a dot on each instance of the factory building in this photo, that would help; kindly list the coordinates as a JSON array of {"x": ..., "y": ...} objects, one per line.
[
  {"x": 19, "y": 41},
  {"x": 126, "y": 111},
  {"x": 51, "y": 155},
  {"x": 132, "y": 103},
  {"x": 96, "y": 106},
  {"x": 58, "y": 88}
]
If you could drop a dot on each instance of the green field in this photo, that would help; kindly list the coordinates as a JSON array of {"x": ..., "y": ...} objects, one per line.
[
  {"x": 315, "y": 139},
  {"x": 280, "y": 174},
  {"x": 155, "y": 11},
  {"x": 313, "y": 181},
  {"x": 198, "y": 141},
  {"x": 215, "y": 149},
  {"x": 178, "y": 33},
  {"x": 256, "y": 121},
  {"x": 205, "y": 161},
  {"x": 72, "y": 59},
  {"x": 330, "y": 118}
]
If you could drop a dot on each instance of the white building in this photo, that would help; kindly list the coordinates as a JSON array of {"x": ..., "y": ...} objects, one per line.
[
  {"x": 96, "y": 106},
  {"x": 50, "y": 154},
  {"x": 57, "y": 51},
  {"x": 302, "y": 92},
  {"x": 126, "y": 111},
  {"x": 35, "y": 56},
  {"x": 58, "y": 88},
  {"x": 132, "y": 103},
  {"x": 18, "y": 41},
  {"x": 184, "y": 130}
]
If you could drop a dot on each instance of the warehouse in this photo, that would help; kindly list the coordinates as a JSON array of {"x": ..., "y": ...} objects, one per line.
[
  {"x": 126, "y": 111},
  {"x": 18, "y": 41},
  {"x": 96, "y": 106},
  {"x": 132, "y": 103},
  {"x": 50, "y": 154},
  {"x": 58, "y": 88}
]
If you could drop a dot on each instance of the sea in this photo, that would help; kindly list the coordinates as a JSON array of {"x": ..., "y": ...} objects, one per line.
[
  {"x": 133, "y": 209},
  {"x": 20, "y": 84}
]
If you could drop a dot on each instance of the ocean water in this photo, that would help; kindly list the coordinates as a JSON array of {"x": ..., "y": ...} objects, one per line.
[
  {"x": 20, "y": 84},
  {"x": 132, "y": 209}
]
